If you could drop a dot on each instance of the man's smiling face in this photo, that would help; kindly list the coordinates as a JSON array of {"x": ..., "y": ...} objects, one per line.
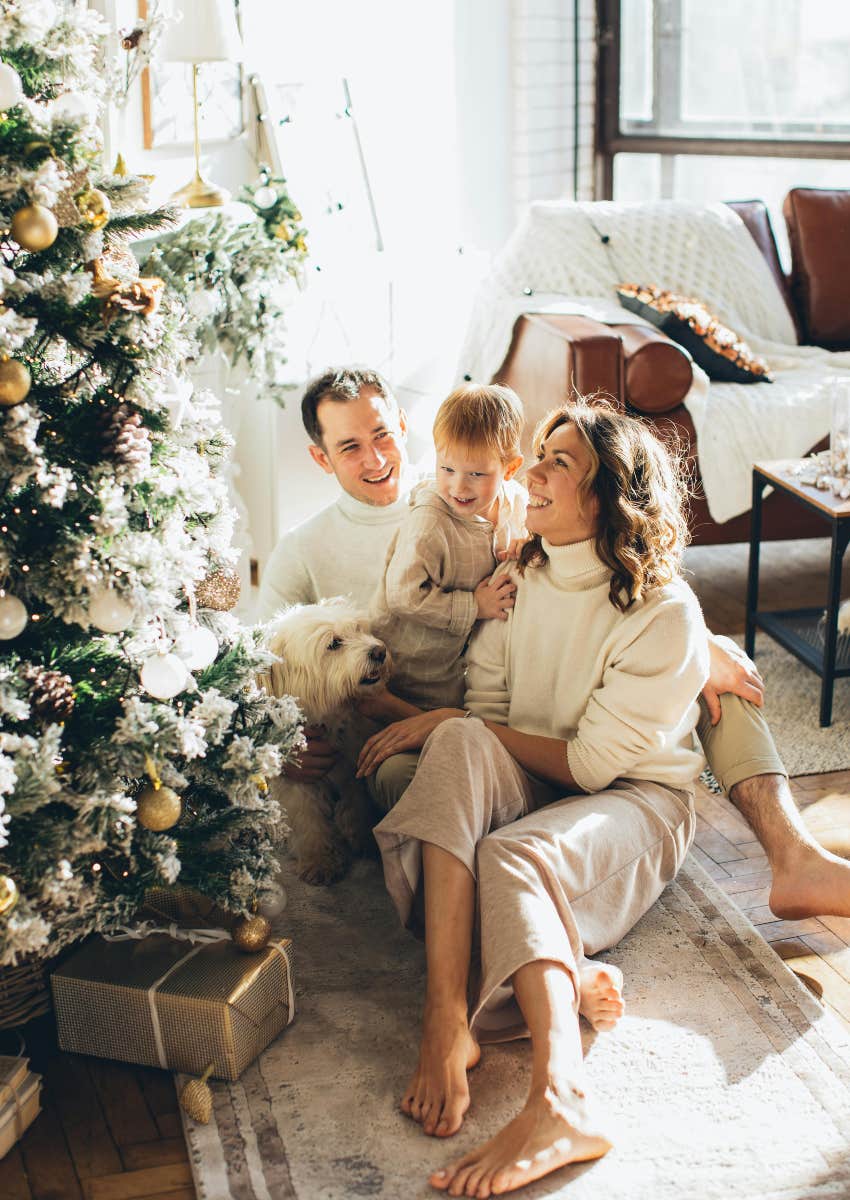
[{"x": 363, "y": 445}]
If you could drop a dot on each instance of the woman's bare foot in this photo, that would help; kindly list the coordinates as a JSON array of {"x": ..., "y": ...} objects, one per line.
[
  {"x": 812, "y": 882},
  {"x": 551, "y": 1131},
  {"x": 438, "y": 1094},
  {"x": 601, "y": 997}
]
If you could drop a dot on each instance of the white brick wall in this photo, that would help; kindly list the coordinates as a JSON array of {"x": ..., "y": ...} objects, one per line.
[{"x": 543, "y": 100}]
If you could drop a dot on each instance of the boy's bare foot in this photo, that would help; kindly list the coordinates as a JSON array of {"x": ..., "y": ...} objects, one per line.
[
  {"x": 438, "y": 1094},
  {"x": 601, "y": 996},
  {"x": 551, "y": 1131},
  {"x": 810, "y": 883}
]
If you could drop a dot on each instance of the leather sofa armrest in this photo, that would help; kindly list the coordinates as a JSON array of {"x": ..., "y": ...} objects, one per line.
[
  {"x": 657, "y": 372},
  {"x": 552, "y": 358}
]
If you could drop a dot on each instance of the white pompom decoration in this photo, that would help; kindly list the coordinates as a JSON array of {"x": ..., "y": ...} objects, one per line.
[
  {"x": 197, "y": 647},
  {"x": 272, "y": 903},
  {"x": 164, "y": 675},
  {"x": 108, "y": 612},
  {"x": 11, "y": 91},
  {"x": 13, "y": 616}
]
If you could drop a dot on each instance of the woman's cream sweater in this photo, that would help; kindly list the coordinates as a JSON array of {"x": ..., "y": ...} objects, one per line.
[{"x": 619, "y": 688}]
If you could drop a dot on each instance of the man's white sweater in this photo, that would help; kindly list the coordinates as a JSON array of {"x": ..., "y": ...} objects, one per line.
[
  {"x": 339, "y": 552},
  {"x": 619, "y": 688}
]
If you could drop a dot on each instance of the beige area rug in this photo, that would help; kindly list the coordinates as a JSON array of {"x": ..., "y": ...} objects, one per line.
[
  {"x": 726, "y": 1077},
  {"x": 792, "y": 707}
]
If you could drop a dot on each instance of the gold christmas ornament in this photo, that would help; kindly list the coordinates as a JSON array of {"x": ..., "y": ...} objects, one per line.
[
  {"x": 65, "y": 207},
  {"x": 196, "y": 1098},
  {"x": 8, "y": 894},
  {"x": 15, "y": 382},
  {"x": 34, "y": 227},
  {"x": 158, "y": 808},
  {"x": 94, "y": 207},
  {"x": 251, "y": 934},
  {"x": 220, "y": 590}
]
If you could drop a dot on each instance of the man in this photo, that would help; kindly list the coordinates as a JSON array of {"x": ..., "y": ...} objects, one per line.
[{"x": 357, "y": 433}]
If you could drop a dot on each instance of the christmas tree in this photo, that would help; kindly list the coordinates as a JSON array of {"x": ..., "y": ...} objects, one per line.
[{"x": 135, "y": 744}]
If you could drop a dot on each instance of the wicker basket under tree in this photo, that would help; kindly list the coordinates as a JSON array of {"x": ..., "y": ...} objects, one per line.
[{"x": 24, "y": 992}]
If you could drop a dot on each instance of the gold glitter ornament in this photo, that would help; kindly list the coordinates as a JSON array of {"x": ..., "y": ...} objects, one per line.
[
  {"x": 220, "y": 590},
  {"x": 94, "y": 207},
  {"x": 34, "y": 227},
  {"x": 15, "y": 382},
  {"x": 158, "y": 809},
  {"x": 196, "y": 1098},
  {"x": 251, "y": 934},
  {"x": 8, "y": 894}
]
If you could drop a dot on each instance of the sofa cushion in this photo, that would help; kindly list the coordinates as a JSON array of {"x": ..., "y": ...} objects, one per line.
[
  {"x": 712, "y": 345},
  {"x": 818, "y": 221},
  {"x": 755, "y": 215},
  {"x": 657, "y": 373}
]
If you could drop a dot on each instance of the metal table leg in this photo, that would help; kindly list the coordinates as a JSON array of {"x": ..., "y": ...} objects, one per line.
[
  {"x": 840, "y": 538},
  {"x": 759, "y": 484}
]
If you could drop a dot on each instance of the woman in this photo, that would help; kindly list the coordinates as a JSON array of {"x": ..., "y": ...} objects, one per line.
[{"x": 566, "y": 801}]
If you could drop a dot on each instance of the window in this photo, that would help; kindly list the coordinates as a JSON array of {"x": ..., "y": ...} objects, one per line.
[{"x": 722, "y": 100}]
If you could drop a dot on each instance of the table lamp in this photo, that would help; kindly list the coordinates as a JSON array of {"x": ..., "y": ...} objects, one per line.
[{"x": 207, "y": 33}]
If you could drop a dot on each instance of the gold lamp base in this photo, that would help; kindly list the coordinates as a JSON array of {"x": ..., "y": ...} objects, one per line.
[{"x": 198, "y": 193}]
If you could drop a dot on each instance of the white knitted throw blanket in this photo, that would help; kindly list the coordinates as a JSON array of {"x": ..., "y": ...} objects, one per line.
[{"x": 556, "y": 261}]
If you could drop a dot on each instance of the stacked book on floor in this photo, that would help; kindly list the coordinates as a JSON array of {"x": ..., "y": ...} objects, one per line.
[{"x": 20, "y": 1093}]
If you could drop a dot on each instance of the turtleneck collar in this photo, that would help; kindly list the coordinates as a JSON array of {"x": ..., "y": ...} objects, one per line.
[
  {"x": 378, "y": 514},
  {"x": 577, "y": 565}
]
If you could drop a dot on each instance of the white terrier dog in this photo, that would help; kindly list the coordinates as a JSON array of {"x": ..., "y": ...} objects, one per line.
[{"x": 328, "y": 658}]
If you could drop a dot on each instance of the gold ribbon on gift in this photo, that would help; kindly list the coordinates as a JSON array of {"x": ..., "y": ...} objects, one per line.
[{"x": 198, "y": 939}]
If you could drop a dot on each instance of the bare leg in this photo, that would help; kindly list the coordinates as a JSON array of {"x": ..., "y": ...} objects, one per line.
[
  {"x": 438, "y": 1094},
  {"x": 553, "y": 1129},
  {"x": 808, "y": 881}
]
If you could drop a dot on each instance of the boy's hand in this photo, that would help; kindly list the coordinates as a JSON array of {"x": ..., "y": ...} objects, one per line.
[
  {"x": 513, "y": 551},
  {"x": 494, "y": 597}
]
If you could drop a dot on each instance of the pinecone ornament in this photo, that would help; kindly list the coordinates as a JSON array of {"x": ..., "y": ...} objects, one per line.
[
  {"x": 125, "y": 440},
  {"x": 51, "y": 693}
]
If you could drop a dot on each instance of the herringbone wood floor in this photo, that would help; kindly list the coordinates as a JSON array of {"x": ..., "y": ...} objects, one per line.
[{"x": 112, "y": 1132}]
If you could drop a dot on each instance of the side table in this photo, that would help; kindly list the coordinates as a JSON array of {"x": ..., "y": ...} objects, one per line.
[{"x": 802, "y": 631}]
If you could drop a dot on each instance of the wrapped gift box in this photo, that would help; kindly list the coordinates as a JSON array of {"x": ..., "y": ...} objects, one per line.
[
  {"x": 166, "y": 1002},
  {"x": 20, "y": 1091}
]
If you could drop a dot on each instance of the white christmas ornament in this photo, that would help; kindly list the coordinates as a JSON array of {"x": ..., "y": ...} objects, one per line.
[
  {"x": 109, "y": 612},
  {"x": 265, "y": 197},
  {"x": 197, "y": 647},
  {"x": 13, "y": 616},
  {"x": 164, "y": 675},
  {"x": 11, "y": 91},
  {"x": 272, "y": 903}
]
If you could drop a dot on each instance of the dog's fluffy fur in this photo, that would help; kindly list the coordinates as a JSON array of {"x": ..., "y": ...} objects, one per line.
[{"x": 328, "y": 658}]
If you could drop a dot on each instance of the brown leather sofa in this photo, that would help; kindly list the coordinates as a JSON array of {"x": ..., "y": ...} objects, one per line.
[{"x": 640, "y": 368}]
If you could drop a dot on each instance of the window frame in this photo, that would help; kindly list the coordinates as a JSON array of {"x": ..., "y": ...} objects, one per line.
[{"x": 611, "y": 139}]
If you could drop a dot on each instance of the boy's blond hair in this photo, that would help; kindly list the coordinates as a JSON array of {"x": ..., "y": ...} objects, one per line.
[{"x": 482, "y": 416}]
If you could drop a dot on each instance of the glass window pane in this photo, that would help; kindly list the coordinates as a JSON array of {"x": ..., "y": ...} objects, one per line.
[{"x": 767, "y": 68}]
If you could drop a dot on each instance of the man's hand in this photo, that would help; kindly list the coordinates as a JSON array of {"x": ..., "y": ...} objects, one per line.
[
  {"x": 730, "y": 671},
  {"x": 315, "y": 761},
  {"x": 494, "y": 597}
]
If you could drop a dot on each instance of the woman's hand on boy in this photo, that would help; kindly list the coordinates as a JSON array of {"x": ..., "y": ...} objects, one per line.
[
  {"x": 410, "y": 734},
  {"x": 494, "y": 597},
  {"x": 513, "y": 551}
]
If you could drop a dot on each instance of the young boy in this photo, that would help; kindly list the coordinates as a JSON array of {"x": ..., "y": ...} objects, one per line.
[{"x": 436, "y": 582}]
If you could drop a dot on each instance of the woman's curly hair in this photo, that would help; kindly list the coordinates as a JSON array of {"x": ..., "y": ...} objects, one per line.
[{"x": 641, "y": 488}]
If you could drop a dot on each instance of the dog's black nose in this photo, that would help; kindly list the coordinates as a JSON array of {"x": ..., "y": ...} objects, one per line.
[{"x": 377, "y": 654}]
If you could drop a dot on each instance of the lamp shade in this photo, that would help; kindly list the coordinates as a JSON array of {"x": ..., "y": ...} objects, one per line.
[{"x": 203, "y": 31}]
